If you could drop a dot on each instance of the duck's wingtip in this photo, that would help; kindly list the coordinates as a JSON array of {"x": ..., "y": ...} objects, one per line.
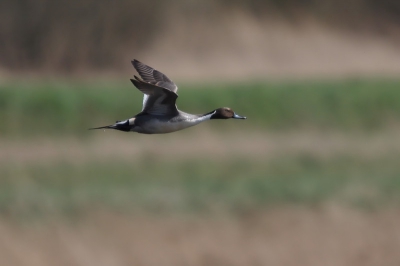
[
  {"x": 134, "y": 81},
  {"x": 135, "y": 62}
]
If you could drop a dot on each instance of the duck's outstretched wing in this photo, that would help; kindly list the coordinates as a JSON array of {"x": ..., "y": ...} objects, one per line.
[
  {"x": 153, "y": 76},
  {"x": 160, "y": 101}
]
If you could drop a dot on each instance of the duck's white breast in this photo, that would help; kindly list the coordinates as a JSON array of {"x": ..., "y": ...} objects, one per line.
[{"x": 156, "y": 126}]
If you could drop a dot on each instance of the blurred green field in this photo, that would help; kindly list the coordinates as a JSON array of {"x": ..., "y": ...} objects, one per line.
[
  {"x": 190, "y": 186},
  {"x": 47, "y": 108},
  {"x": 347, "y": 152}
]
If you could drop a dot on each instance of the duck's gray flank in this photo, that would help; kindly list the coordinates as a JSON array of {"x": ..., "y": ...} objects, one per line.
[{"x": 159, "y": 112}]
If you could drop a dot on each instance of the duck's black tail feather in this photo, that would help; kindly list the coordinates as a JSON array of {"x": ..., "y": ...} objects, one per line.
[
  {"x": 104, "y": 127},
  {"x": 119, "y": 125}
]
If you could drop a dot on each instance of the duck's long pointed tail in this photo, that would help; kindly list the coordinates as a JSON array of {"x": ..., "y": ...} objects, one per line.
[
  {"x": 104, "y": 127},
  {"x": 119, "y": 125}
]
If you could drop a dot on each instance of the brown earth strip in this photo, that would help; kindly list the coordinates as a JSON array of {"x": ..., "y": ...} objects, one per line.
[
  {"x": 200, "y": 144},
  {"x": 330, "y": 235}
]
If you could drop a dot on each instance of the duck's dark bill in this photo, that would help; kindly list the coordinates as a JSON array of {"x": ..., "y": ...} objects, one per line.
[{"x": 238, "y": 116}]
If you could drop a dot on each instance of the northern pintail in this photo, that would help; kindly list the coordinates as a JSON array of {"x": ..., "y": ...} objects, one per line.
[{"x": 159, "y": 112}]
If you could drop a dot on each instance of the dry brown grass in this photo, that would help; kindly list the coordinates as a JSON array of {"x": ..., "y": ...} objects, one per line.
[
  {"x": 245, "y": 47},
  {"x": 287, "y": 236},
  {"x": 202, "y": 42},
  {"x": 200, "y": 143}
]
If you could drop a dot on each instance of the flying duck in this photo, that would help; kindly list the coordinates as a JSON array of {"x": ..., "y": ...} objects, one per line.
[{"x": 159, "y": 112}]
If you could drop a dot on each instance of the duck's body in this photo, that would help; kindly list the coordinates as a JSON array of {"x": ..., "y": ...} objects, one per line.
[
  {"x": 159, "y": 113},
  {"x": 158, "y": 124}
]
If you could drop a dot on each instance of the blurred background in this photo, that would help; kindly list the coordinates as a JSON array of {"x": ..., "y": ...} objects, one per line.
[{"x": 312, "y": 177}]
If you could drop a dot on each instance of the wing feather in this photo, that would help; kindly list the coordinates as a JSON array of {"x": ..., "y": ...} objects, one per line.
[
  {"x": 157, "y": 100},
  {"x": 153, "y": 76}
]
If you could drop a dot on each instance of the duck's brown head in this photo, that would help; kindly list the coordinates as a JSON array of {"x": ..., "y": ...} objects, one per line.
[{"x": 225, "y": 113}]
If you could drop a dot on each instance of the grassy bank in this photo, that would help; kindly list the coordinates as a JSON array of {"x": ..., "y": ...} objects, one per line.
[
  {"x": 196, "y": 185},
  {"x": 28, "y": 109}
]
